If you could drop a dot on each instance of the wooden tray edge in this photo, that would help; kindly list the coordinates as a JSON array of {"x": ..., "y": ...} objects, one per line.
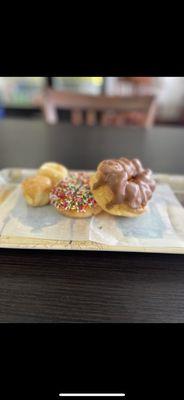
[{"x": 29, "y": 243}]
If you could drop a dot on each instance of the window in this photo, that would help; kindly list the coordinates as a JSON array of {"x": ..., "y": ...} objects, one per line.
[
  {"x": 20, "y": 91},
  {"x": 90, "y": 85}
]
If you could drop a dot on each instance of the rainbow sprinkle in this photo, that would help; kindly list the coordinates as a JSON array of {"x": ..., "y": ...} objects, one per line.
[{"x": 73, "y": 193}]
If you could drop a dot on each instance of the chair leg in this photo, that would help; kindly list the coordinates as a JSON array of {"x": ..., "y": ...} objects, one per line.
[
  {"x": 50, "y": 113},
  {"x": 91, "y": 118},
  {"x": 77, "y": 117}
]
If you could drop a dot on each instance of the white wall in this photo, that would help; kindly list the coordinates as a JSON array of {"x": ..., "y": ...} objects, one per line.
[{"x": 171, "y": 96}]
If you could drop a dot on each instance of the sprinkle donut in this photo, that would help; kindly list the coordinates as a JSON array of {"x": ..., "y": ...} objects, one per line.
[{"x": 72, "y": 197}]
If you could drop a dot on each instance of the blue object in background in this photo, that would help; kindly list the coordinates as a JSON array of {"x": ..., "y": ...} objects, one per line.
[{"x": 2, "y": 112}]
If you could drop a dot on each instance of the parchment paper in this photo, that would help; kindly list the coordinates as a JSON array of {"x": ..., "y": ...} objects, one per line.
[{"x": 161, "y": 226}]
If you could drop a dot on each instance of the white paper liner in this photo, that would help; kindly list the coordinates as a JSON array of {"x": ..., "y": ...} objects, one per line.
[
  {"x": 161, "y": 226},
  {"x": 18, "y": 219}
]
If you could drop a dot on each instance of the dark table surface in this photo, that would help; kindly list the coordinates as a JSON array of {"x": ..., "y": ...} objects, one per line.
[{"x": 56, "y": 286}]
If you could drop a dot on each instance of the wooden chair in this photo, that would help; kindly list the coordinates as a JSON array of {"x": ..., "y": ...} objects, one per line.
[{"x": 113, "y": 110}]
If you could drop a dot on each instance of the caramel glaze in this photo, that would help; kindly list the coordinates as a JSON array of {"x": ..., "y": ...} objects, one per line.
[{"x": 130, "y": 183}]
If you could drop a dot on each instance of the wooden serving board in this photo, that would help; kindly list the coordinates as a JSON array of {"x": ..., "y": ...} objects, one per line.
[{"x": 176, "y": 183}]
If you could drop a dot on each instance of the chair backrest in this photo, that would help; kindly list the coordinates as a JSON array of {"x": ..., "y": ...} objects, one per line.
[{"x": 79, "y": 103}]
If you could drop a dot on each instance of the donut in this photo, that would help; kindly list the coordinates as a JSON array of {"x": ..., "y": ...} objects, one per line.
[
  {"x": 56, "y": 172},
  {"x": 122, "y": 187},
  {"x": 72, "y": 197},
  {"x": 36, "y": 190}
]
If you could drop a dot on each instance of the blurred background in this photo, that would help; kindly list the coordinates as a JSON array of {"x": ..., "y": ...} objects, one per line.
[{"x": 106, "y": 101}]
